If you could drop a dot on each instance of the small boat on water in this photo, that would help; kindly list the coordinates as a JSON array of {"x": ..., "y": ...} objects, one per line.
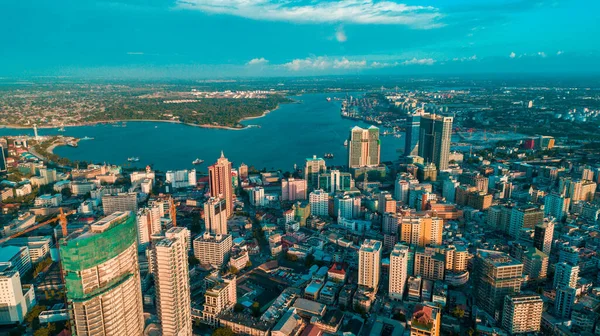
[
  {"x": 87, "y": 138},
  {"x": 133, "y": 159},
  {"x": 328, "y": 155},
  {"x": 346, "y": 143},
  {"x": 197, "y": 162},
  {"x": 328, "y": 99},
  {"x": 62, "y": 129}
]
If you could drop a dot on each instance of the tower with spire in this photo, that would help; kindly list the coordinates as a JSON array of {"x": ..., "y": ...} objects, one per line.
[{"x": 220, "y": 181}]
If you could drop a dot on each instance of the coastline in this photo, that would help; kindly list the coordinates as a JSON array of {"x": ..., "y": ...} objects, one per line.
[{"x": 92, "y": 123}]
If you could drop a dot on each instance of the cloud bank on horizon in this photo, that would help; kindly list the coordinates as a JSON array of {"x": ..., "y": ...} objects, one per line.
[{"x": 208, "y": 38}]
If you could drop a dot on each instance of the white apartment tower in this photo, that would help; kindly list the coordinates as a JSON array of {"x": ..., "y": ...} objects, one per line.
[
  {"x": 398, "y": 271},
  {"x": 173, "y": 284},
  {"x": 369, "y": 263},
  {"x": 319, "y": 203}
]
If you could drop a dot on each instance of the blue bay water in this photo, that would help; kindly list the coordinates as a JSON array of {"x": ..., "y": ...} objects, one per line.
[{"x": 286, "y": 136}]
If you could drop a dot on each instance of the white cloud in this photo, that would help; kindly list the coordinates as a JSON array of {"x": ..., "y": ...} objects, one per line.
[
  {"x": 464, "y": 59},
  {"x": 560, "y": 52},
  {"x": 344, "y": 63},
  {"x": 258, "y": 61},
  {"x": 380, "y": 65},
  {"x": 419, "y": 61},
  {"x": 340, "y": 34},
  {"x": 512, "y": 55},
  {"x": 310, "y": 63},
  {"x": 541, "y": 54},
  {"x": 351, "y": 11}
]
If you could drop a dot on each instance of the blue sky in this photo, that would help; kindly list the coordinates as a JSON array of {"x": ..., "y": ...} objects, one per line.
[{"x": 219, "y": 38}]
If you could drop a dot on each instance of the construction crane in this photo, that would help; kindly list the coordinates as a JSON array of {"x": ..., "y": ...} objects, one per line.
[{"x": 61, "y": 218}]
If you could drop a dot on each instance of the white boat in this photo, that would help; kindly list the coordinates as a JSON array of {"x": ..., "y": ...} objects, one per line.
[
  {"x": 133, "y": 159},
  {"x": 197, "y": 162},
  {"x": 346, "y": 143},
  {"x": 62, "y": 129},
  {"x": 87, "y": 138}
]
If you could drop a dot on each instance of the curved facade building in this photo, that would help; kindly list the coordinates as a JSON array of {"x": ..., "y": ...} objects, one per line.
[{"x": 102, "y": 277}]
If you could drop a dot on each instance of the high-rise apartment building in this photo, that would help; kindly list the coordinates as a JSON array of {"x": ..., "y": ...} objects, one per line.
[
  {"x": 496, "y": 275},
  {"x": 215, "y": 215},
  {"x": 364, "y": 147},
  {"x": 212, "y": 249},
  {"x": 421, "y": 231},
  {"x": 577, "y": 190},
  {"x": 102, "y": 277},
  {"x": 148, "y": 223},
  {"x": 220, "y": 182},
  {"x": 319, "y": 203},
  {"x": 565, "y": 275},
  {"x": 15, "y": 299},
  {"x": 181, "y": 178},
  {"x": 556, "y": 205},
  {"x": 543, "y": 236},
  {"x": 401, "y": 189},
  {"x": 398, "y": 271},
  {"x": 369, "y": 263},
  {"x": 434, "y": 139},
  {"x": 564, "y": 301},
  {"x": 312, "y": 169},
  {"x": 243, "y": 171},
  {"x": 293, "y": 189},
  {"x": 527, "y": 216},
  {"x": 172, "y": 283},
  {"x": 346, "y": 206},
  {"x": 522, "y": 313},
  {"x": 119, "y": 202},
  {"x": 334, "y": 181},
  {"x": 429, "y": 264},
  {"x": 256, "y": 196}
]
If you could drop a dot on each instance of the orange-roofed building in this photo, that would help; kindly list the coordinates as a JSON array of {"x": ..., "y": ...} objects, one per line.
[{"x": 425, "y": 321}]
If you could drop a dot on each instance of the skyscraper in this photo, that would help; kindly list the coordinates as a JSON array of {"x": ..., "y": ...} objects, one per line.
[
  {"x": 369, "y": 263},
  {"x": 215, "y": 215},
  {"x": 364, "y": 147},
  {"x": 429, "y": 264},
  {"x": 102, "y": 278},
  {"x": 413, "y": 124},
  {"x": 173, "y": 284},
  {"x": 398, "y": 271},
  {"x": 313, "y": 167},
  {"x": 496, "y": 275},
  {"x": 522, "y": 313},
  {"x": 221, "y": 186},
  {"x": 434, "y": 139}
]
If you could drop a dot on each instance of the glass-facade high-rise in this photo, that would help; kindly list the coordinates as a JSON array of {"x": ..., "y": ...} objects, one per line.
[
  {"x": 411, "y": 145},
  {"x": 434, "y": 139}
]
